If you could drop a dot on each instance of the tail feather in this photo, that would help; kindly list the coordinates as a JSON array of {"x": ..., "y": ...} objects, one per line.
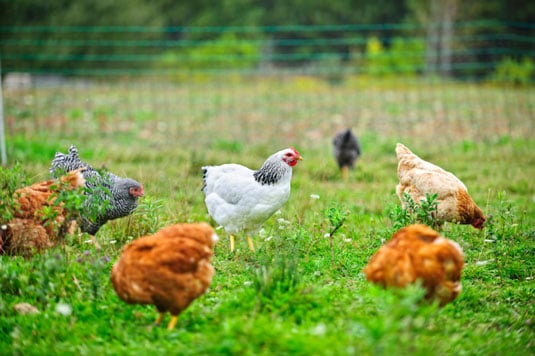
[
  {"x": 204, "y": 176},
  {"x": 64, "y": 163},
  {"x": 402, "y": 150}
]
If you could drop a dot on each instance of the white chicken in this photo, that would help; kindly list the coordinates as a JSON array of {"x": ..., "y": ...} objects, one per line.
[{"x": 241, "y": 200}]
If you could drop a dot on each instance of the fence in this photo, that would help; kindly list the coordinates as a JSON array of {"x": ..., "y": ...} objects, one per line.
[
  {"x": 471, "y": 50},
  {"x": 390, "y": 80}
]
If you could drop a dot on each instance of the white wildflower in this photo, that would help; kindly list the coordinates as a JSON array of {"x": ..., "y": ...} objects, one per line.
[
  {"x": 319, "y": 330},
  {"x": 314, "y": 196},
  {"x": 64, "y": 309},
  {"x": 483, "y": 263},
  {"x": 247, "y": 283},
  {"x": 112, "y": 242},
  {"x": 327, "y": 235},
  {"x": 282, "y": 221}
]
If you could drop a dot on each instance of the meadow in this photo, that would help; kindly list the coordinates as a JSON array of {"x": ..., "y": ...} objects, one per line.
[{"x": 302, "y": 292}]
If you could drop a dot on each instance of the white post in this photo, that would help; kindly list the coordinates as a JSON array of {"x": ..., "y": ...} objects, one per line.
[{"x": 2, "y": 132}]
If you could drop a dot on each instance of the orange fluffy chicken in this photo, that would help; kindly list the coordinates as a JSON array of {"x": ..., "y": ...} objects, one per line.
[
  {"x": 419, "y": 253},
  {"x": 418, "y": 178},
  {"x": 168, "y": 269},
  {"x": 38, "y": 220}
]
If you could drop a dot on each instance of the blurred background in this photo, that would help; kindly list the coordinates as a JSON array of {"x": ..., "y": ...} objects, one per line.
[{"x": 238, "y": 72}]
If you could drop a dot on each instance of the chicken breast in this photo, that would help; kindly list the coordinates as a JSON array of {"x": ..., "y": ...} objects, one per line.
[{"x": 168, "y": 269}]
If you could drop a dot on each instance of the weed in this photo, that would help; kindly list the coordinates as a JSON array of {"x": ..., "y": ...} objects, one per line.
[
  {"x": 10, "y": 180},
  {"x": 336, "y": 217},
  {"x": 278, "y": 273},
  {"x": 502, "y": 231},
  {"x": 423, "y": 212}
]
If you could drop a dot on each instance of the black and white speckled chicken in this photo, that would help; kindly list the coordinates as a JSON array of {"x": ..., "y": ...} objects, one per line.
[
  {"x": 108, "y": 196},
  {"x": 346, "y": 149}
]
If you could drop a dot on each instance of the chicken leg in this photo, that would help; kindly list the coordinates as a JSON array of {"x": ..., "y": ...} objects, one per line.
[
  {"x": 250, "y": 243},
  {"x": 159, "y": 319},
  {"x": 231, "y": 243},
  {"x": 95, "y": 242},
  {"x": 172, "y": 322},
  {"x": 345, "y": 173}
]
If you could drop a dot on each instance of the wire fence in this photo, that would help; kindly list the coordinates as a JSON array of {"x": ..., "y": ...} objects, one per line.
[
  {"x": 265, "y": 85},
  {"x": 469, "y": 50}
]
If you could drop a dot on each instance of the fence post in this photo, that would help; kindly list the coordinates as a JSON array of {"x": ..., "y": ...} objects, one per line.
[{"x": 2, "y": 132}]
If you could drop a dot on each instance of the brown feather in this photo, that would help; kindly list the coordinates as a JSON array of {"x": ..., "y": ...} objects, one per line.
[
  {"x": 168, "y": 269},
  {"x": 418, "y": 253},
  {"x": 32, "y": 229},
  {"x": 419, "y": 178}
]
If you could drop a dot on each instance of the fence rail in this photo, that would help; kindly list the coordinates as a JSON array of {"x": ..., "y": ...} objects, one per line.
[{"x": 475, "y": 49}]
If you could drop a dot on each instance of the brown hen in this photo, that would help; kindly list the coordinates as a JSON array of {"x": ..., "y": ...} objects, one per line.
[
  {"x": 38, "y": 220},
  {"x": 419, "y": 178},
  {"x": 419, "y": 253},
  {"x": 168, "y": 269}
]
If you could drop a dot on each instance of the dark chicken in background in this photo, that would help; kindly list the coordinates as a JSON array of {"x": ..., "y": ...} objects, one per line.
[{"x": 346, "y": 148}]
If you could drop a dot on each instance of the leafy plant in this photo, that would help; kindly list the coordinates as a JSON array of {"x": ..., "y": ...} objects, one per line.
[
  {"x": 502, "y": 232},
  {"x": 336, "y": 218},
  {"x": 279, "y": 273},
  {"x": 95, "y": 267},
  {"x": 10, "y": 180},
  {"x": 423, "y": 212},
  {"x": 403, "y": 57},
  {"x": 515, "y": 72}
]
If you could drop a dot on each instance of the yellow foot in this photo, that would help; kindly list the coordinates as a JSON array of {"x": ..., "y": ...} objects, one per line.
[
  {"x": 159, "y": 319},
  {"x": 345, "y": 173},
  {"x": 172, "y": 323},
  {"x": 95, "y": 242},
  {"x": 250, "y": 243},
  {"x": 231, "y": 243}
]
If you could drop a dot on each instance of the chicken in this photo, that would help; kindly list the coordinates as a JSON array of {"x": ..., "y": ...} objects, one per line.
[
  {"x": 39, "y": 221},
  {"x": 418, "y": 253},
  {"x": 346, "y": 148},
  {"x": 168, "y": 269},
  {"x": 241, "y": 200},
  {"x": 419, "y": 178},
  {"x": 108, "y": 196}
]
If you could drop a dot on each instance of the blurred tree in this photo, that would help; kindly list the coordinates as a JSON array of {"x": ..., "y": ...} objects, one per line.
[
  {"x": 160, "y": 23},
  {"x": 42, "y": 41}
]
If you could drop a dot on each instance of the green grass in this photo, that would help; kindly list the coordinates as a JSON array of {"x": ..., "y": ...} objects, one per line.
[{"x": 298, "y": 294}]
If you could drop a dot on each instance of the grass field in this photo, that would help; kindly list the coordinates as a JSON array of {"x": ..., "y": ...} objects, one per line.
[{"x": 291, "y": 296}]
